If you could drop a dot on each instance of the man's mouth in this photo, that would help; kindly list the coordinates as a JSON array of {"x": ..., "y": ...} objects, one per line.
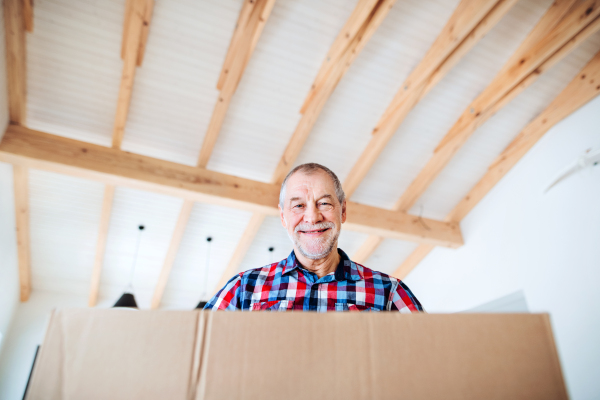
[{"x": 314, "y": 231}]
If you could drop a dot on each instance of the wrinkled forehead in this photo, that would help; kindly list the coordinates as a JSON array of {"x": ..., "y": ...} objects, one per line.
[{"x": 317, "y": 183}]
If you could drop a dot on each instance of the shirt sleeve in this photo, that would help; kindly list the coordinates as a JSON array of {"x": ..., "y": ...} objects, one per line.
[
  {"x": 228, "y": 298},
  {"x": 403, "y": 300}
]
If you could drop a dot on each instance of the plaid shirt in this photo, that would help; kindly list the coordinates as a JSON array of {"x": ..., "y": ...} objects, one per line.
[{"x": 287, "y": 286}]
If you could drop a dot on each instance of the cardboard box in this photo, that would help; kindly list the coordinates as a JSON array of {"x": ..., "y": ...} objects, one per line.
[{"x": 122, "y": 354}]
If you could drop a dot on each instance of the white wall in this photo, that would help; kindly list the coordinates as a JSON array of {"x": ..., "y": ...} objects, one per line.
[
  {"x": 547, "y": 245},
  {"x": 9, "y": 280},
  {"x": 26, "y": 333},
  {"x": 8, "y": 255}
]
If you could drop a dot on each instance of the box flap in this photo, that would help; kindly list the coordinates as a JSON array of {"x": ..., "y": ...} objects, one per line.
[
  {"x": 380, "y": 355},
  {"x": 118, "y": 354}
]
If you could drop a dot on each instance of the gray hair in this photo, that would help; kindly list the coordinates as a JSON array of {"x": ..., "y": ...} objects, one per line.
[{"x": 309, "y": 169}]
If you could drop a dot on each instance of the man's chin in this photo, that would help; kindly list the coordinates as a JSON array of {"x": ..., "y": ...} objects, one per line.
[
  {"x": 314, "y": 256},
  {"x": 315, "y": 253}
]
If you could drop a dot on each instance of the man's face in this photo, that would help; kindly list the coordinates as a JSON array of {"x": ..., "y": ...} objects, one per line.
[{"x": 312, "y": 214}]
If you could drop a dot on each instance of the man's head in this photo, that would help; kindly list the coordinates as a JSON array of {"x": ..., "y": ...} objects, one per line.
[{"x": 312, "y": 206}]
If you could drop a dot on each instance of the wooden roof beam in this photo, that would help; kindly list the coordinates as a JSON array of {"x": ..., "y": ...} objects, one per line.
[
  {"x": 21, "y": 186},
  {"x": 583, "y": 88},
  {"x": 561, "y": 17},
  {"x": 107, "y": 202},
  {"x": 469, "y": 23},
  {"x": 474, "y": 20},
  {"x": 356, "y": 32},
  {"x": 556, "y": 29},
  {"x": 28, "y": 15},
  {"x": 138, "y": 14},
  {"x": 18, "y": 17},
  {"x": 34, "y": 149},
  {"x": 15, "y": 18},
  {"x": 136, "y": 27},
  {"x": 165, "y": 272},
  {"x": 251, "y": 21}
]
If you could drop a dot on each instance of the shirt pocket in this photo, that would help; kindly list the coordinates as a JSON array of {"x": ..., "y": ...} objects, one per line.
[
  {"x": 275, "y": 305},
  {"x": 353, "y": 307}
]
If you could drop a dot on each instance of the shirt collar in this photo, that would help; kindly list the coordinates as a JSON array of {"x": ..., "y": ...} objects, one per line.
[{"x": 346, "y": 269}]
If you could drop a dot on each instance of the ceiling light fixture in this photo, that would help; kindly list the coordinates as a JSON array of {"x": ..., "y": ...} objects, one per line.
[{"x": 127, "y": 299}]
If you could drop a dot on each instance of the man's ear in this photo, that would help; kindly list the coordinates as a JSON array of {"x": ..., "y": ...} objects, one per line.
[
  {"x": 282, "y": 217},
  {"x": 344, "y": 211}
]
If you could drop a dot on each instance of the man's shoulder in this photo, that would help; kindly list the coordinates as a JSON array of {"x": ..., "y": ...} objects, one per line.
[
  {"x": 264, "y": 271},
  {"x": 371, "y": 274}
]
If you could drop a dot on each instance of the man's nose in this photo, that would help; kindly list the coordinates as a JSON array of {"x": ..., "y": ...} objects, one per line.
[{"x": 312, "y": 215}]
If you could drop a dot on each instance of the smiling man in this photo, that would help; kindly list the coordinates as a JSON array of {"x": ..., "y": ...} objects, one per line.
[{"x": 316, "y": 276}]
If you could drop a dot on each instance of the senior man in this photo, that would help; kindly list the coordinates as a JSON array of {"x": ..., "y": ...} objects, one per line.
[{"x": 316, "y": 276}]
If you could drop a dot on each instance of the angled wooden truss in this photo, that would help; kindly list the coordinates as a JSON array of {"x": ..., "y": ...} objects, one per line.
[
  {"x": 251, "y": 22},
  {"x": 18, "y": 18},
  {"x": 564, "y": 26},
  {"x": 366, "y": 17},
  {"x": 583, "y": 88}
]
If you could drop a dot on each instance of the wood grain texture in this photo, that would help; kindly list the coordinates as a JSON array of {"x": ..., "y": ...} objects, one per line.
[
  {"x": 28, "y": 15},
  {"x": 252, "y": 19},
  {"x": 21, "y": 186},
  {"x": 413, "y": 260},
  {"x": 557, "y": 28},
  {"x": 583, "y": 88},
  {"x": 417, "y": 86},
  {"x": 182, "y": 221},
  {"x": 241, "y": 249},
  {"x": 107, "y": 202},
  {"x": 251, "y": 22},
  {"x": 16, "y": 61},
  {"x": 135, "y": 31},
  {"x": 341, "y": 55},
  {"x": 469, "y": 23},
  {"x": 358, "y": 29},
  {"x": 367, "y": 249},
  {"x": 34, "y": 149},
  {"x": 136, "y": 27}
]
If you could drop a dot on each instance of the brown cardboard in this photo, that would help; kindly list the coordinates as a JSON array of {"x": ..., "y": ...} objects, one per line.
[
  {"x": 116, "y": 354},
  {"x": 121, "y": 354}
]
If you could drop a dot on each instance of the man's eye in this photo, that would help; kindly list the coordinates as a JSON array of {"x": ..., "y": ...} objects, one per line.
[{"x": 298, "y": 206}]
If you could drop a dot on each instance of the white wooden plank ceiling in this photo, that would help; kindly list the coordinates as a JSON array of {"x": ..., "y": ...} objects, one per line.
[{"x": 73, "y": 75}]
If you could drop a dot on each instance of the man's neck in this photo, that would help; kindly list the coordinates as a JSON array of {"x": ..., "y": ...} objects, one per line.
[{"x": 322, "y": 267}]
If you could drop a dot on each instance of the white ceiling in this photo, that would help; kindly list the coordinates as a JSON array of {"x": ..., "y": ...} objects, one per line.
[{"x": 74, "y": 70}]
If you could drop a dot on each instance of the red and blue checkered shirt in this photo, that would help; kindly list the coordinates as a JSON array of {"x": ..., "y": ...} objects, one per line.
[{"x": 286, "y": 286}]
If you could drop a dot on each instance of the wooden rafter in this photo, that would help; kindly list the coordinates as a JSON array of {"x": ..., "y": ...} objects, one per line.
[
  {"x": 136, "y": 27},
  {"x": 242, "y": 248},
  {"x": 178, "y": 232},
  {"x": 583, "y": 88},
  {"x": 135, "y": 32},
  {"x": 16, "y": 78},
  {"x": 18, "y": 16},
  {"x": 360, "y": 27},
  {"x": 251, "y": 21},
  {"x": 473, "y": 20},
  {"x": 554, "y": 31},
  {"x": 28, "y": 15},
  {"x": 356, "y": 32},
  {"x": 34, "y": 149},
  {"x": 21, "y": 185},
  {"x": 470, "y": 22},
  {"x": 107, "y": 202},
  {"x": 561, "y": 29}
]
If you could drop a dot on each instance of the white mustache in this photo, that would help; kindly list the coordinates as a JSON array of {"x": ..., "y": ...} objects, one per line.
[{"x": 315, "y": 227}]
